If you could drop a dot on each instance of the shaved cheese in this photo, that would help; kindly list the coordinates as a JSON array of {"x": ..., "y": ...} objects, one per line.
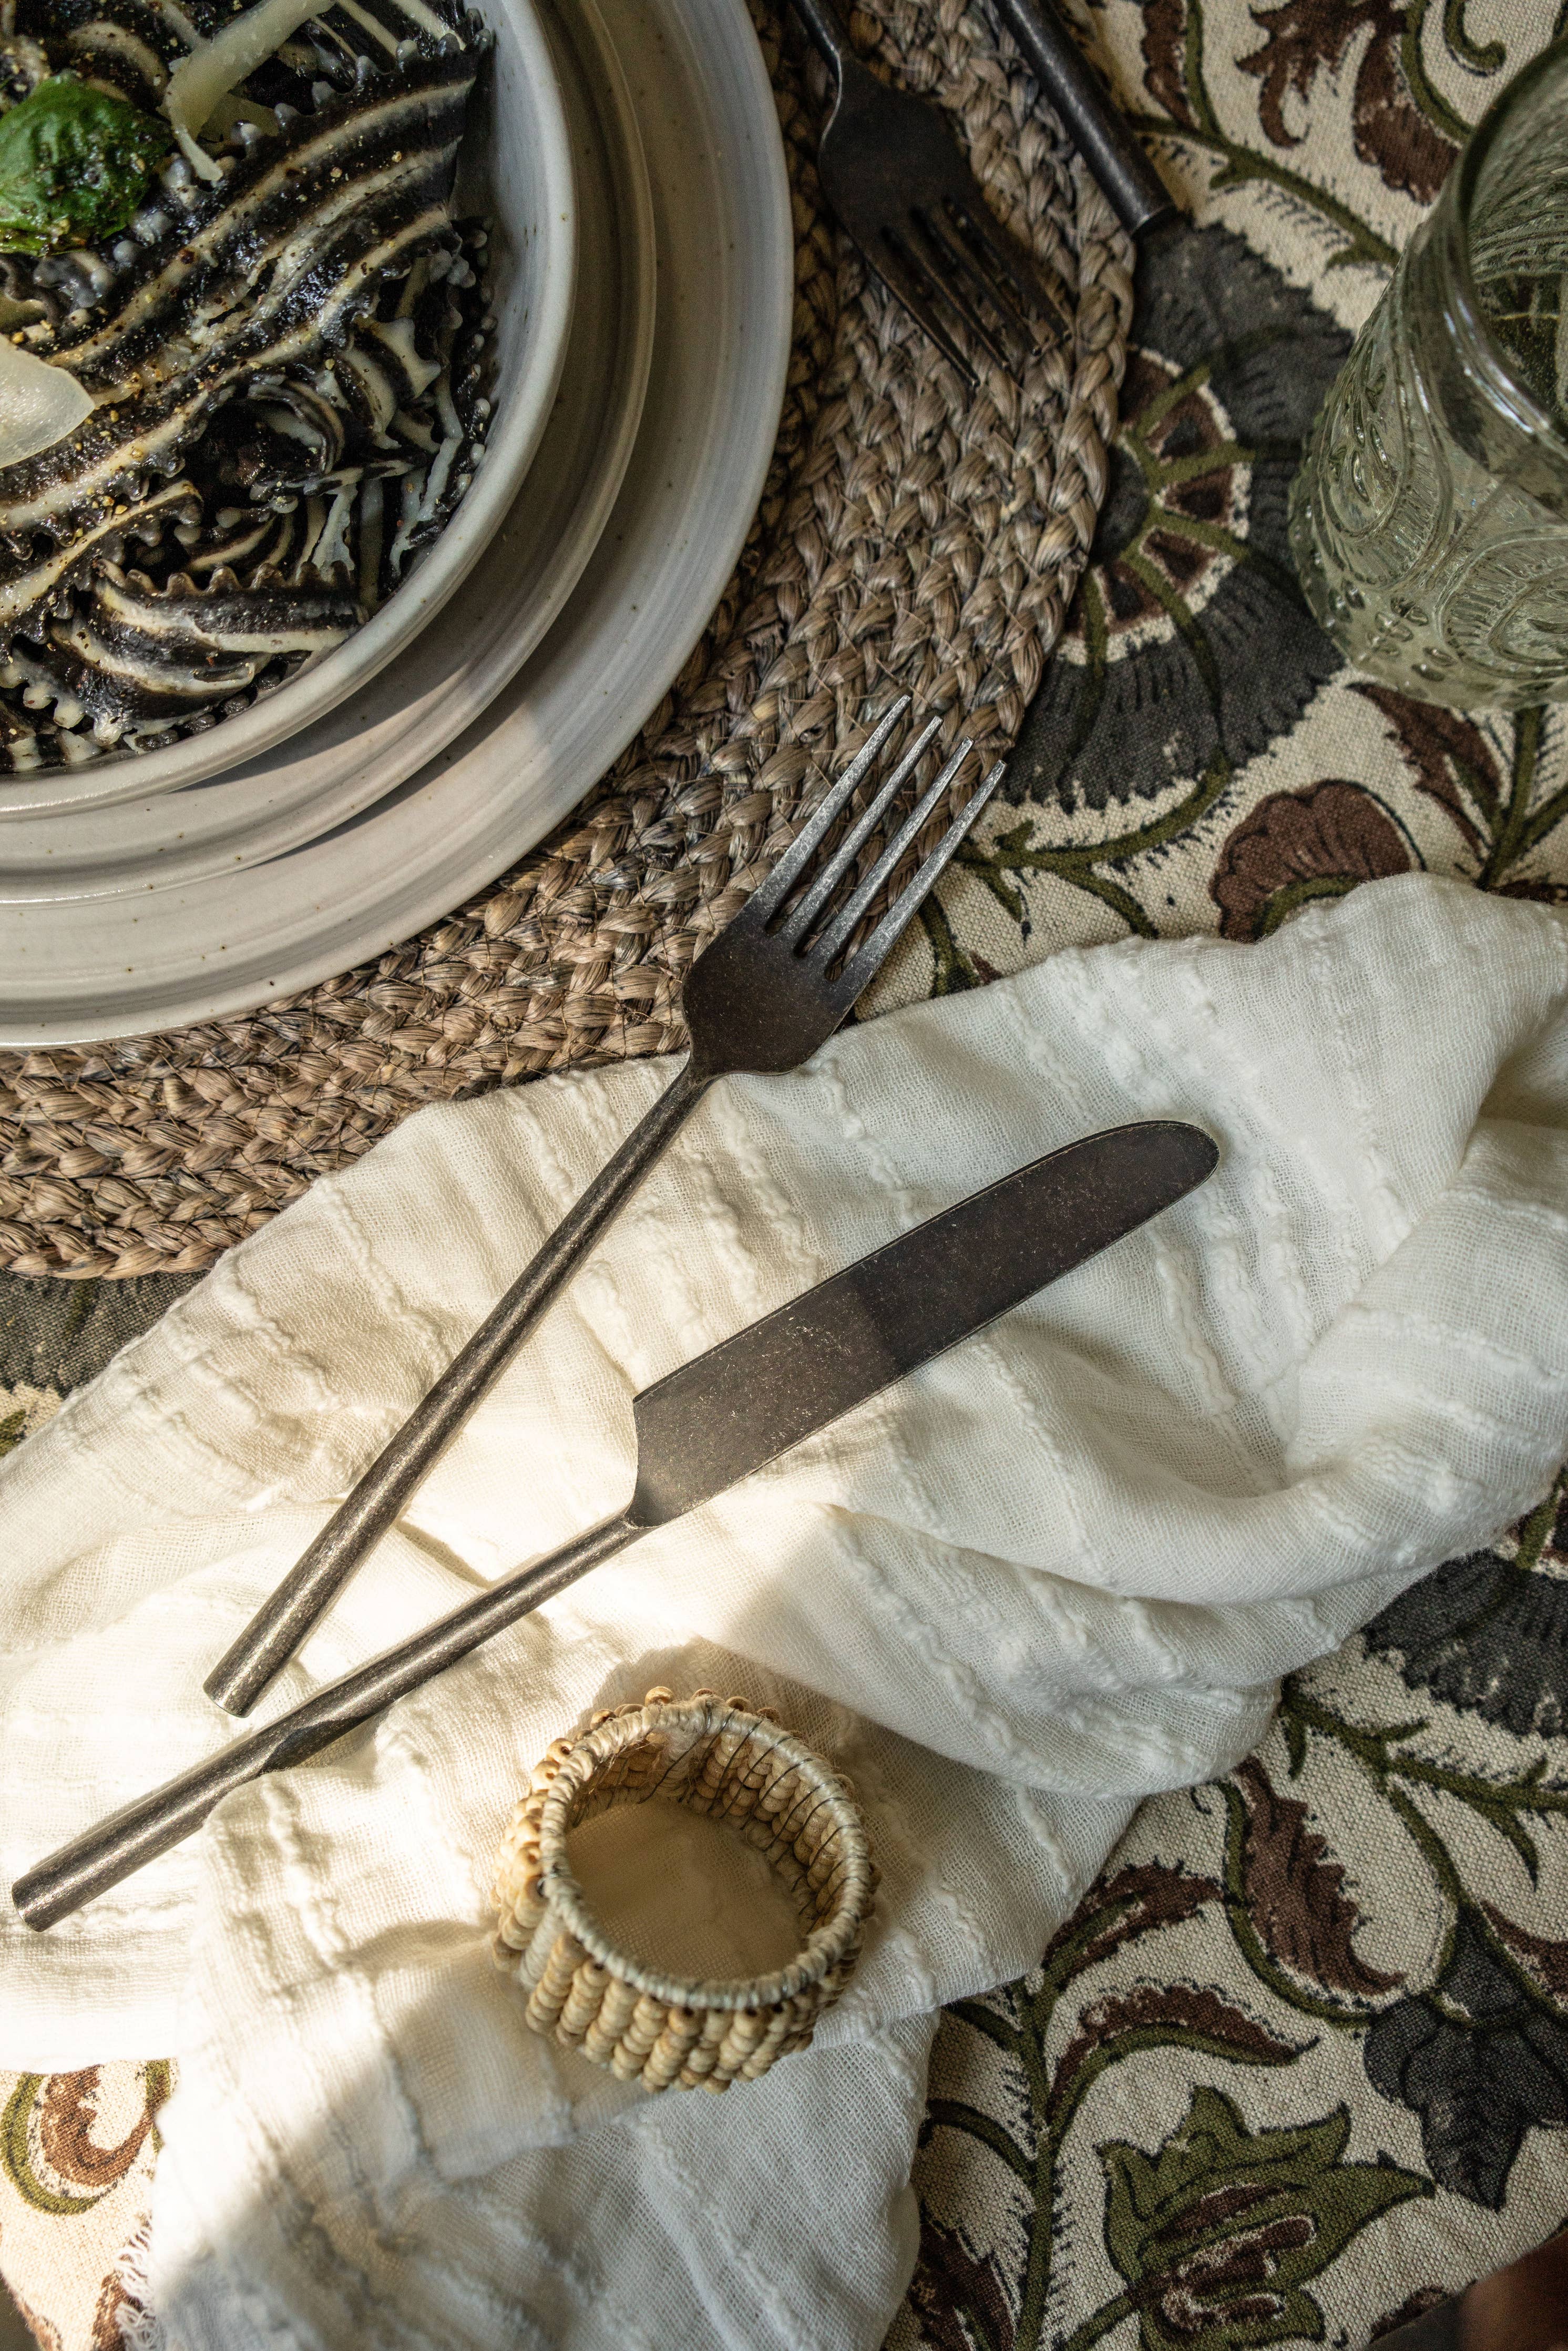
[
  {"x": 230, "y": 111},
  {"x": 418, "y": 14},
  {"x": 213, "y": 67},
  {"x": 200, "y": 82},
  {"x": 40, "y": 404}
]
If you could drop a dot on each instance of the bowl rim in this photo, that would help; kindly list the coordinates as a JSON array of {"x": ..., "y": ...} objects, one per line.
[
  {"x": 79, "y": 970},
  {"x": 510, "y": 447},
  {"x": 326, "y": 774}
]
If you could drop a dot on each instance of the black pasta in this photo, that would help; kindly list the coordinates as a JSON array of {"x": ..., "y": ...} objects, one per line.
[{"x": 287, "y": 365}]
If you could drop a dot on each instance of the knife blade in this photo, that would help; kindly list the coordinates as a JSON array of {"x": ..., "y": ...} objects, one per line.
[{"x": 707, "y": 1426}]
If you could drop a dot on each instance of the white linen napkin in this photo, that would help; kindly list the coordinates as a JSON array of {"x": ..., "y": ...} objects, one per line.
[{"x": 1057, "y": 1569}]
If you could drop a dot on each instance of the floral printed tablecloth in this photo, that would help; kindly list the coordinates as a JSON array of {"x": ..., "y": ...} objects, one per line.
[{"x": 1298, "y": 2068}]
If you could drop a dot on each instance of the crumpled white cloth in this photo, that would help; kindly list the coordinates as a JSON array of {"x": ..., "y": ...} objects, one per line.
[{"x": 1060, "y": 1567}]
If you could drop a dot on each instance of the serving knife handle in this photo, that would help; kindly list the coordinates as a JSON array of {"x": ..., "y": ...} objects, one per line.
[
  {"x": 377, "y": 1497},
  {"x": 1136, "y": 194},
  {"x": 138, "y": 1833}
]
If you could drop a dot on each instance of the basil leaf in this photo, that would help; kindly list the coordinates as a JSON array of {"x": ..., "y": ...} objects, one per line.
[{"x": 74, "y": 165}]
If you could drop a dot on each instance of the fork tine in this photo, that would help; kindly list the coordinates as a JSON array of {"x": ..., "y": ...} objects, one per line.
[
  {"x": 964, "y": 268},
  {"x": 950, "y": 271},
  {"x": 1008, "y": 259},
  {"x": 859, "y": 972},
  {"x": 824, "y": 883},
  {"x": 792, "y": 864},
  {"x": 836, "y": 936},
  {"x": 894, "y": 267}
]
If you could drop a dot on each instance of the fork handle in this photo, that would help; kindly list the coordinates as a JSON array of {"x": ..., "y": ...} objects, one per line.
[
  {"x": 828, "y": 30},
  {"x": 90, "y": 1863},
  {"x": 1136, "y": 194},
  {"x": 378, "y": 1497}
]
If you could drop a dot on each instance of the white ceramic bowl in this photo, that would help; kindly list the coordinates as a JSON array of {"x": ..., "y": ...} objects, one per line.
[
  {"x": 516, "y": 167},
  {"x": 210, "y": 948},
  {"x": 331, "y": 771}
]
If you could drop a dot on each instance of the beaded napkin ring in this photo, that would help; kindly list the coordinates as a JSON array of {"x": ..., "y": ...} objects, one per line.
[{"x": 714, "y": 1756}]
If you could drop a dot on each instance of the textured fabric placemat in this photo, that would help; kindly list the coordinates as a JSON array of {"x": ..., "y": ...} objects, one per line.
[{"x": 912, "y": 536}]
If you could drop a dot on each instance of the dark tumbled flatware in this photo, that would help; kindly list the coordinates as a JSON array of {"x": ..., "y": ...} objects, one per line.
[
  {"x": 703, "y": 1428},
  {"x": 771, "y": 988},
  {"x": 892, "y": 173},
  {"x": 1137, "y": 195}
]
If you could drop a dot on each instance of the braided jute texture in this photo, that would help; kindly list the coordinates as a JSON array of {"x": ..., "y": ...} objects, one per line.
[
  {"x": 913, "y": 536},
  {"x": 716, "y": 1757}
]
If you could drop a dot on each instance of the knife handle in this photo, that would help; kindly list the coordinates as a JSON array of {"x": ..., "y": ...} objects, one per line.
[
  {"x": 1136, "y": 194},
  {"x": 378, "y": 1497},
  {"x": 136, "y": 1834}
]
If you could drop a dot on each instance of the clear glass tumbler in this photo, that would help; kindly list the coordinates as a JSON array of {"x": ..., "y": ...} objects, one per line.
[{"x": 1429, "y": 520}]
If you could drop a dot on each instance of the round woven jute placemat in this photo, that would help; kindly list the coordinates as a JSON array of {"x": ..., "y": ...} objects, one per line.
[{"x": 913, "y": 536}]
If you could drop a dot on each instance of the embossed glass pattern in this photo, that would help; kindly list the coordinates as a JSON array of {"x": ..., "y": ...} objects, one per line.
[{"x": 1429, "y": 520}]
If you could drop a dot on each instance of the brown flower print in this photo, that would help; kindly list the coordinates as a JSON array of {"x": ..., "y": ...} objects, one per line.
[
  {"x": 953, "y": 2287},
  {"x": 51, "y": 2151},
  {"x": 1165, "y": 57},
  {"x": 67, "y": 2115},
  {"x": 1299, "y": 845},
  {"x": 1136, "y": 1901},
  {"x": 1296, "y": 1893},
  {"x": 117, "y": 2310},
  {"x": 1450, "y": 759},
  {"x": 1305, "y": 38},
  {"x": 1197, "y": 2012}
]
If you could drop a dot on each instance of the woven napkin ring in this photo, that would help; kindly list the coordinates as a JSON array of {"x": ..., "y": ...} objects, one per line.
[{"x": 716, "y": 1757}]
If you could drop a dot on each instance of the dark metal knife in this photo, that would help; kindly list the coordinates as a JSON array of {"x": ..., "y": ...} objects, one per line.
[{"x": 703, "y": 1428}]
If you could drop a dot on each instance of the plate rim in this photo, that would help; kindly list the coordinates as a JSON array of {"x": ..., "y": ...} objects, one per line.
[
  {"x": 193, "y": 835},
  {"x": 77, "y": 1005},
  {"x": 266, "y": 726}
]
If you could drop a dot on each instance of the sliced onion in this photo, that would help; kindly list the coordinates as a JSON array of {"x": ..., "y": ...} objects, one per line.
[
  {"x": 40, "y": 404},
  {"x": 200, "y": 81},
  {"x": 213, "y": 67}
]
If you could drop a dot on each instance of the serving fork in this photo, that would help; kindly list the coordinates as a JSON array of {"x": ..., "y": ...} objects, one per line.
[
  {"x": 891, "y": 171},
  {"x": 773, "y": 986}
]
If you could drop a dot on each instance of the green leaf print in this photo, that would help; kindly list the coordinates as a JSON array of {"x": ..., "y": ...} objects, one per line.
[{"x": 1219, "y": 2232}]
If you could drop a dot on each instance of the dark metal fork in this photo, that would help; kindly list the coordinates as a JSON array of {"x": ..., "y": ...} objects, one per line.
[
  {"x": 772, "y": 987},
  {"x": 891, "y": 171}
]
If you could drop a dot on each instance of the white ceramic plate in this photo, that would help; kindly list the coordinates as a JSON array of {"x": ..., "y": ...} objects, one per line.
[
  {"x": 77, "y": 969},
  {"x": 518, "y": 169},
  {"x": 327, "y": 774}
]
